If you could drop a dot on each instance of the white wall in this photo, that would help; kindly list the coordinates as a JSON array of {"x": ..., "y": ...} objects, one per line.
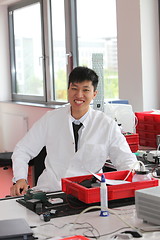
[
  {"x": 138, "y": 53},
  {"x": 129, "y": 52},
  {"x": 150, "y": 54},
  {"x": 22, "y": 117}
]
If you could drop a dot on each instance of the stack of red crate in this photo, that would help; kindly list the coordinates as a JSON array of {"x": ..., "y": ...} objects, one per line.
[{"x": 148, "y": 128}]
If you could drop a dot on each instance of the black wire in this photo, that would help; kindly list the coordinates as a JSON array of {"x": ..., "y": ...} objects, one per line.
[
  {"x": 154, "y": 169},
  {"x": 106, "y": 234},
  {"x": 90, "y": 228}
]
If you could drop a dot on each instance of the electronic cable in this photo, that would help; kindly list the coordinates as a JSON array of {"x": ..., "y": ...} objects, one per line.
[
  {"x": 111, "y": 211},
  {"x": 85, "y": 226},
  {"x": 107, "y": 234}
]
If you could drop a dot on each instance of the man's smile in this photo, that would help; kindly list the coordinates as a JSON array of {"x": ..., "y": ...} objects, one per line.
[{"x": 78, "y": 101}]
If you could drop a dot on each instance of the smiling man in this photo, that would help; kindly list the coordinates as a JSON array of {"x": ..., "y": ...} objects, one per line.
[
  {"x": 78, "y": 139},
  {"x": 81, "y": 90}
]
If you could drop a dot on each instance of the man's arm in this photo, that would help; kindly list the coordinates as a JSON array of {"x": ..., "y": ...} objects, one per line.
[
  {"x": 19, "y": 188},
  {"x": 120, "y": 153},
  {"x": 26, "y": 149}
]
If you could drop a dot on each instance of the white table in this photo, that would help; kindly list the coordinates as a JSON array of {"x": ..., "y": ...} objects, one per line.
[{"x": 62, "y": 227}]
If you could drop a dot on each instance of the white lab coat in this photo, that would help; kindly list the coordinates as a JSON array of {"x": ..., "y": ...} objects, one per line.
[{"x": 100, "y": 138}]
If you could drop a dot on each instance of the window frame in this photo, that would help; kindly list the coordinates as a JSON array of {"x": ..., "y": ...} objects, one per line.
[
  {"x": 71, "y": 40},
  {"x": 15, "y": 96}
]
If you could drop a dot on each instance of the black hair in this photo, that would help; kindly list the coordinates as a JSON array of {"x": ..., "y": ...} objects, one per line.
[{"x": 80, "y": 74}]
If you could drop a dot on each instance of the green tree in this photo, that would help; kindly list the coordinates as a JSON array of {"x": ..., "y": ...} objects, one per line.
[
  {"x": 110, "y": 83},
  {"x": 61, "y": 85}
]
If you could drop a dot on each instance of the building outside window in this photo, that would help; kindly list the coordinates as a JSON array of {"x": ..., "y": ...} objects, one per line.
[{"x": 49, "y": 38}]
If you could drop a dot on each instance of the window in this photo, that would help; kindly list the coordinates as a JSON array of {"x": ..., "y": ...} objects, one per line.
[
  {"x": 99, "y": 37},
  {"x": 27, "y": 67},
  {"x": 50, "y": 37},
  {"x": 59, "y": 50}
]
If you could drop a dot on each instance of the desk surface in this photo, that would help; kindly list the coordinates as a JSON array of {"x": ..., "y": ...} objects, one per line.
[{"x": 62, "y": 227}]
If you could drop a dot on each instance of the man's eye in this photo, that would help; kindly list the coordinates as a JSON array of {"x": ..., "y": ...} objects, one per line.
[
  {"x": 86, "y": 90},
  {"x": 74, "y": 88}
]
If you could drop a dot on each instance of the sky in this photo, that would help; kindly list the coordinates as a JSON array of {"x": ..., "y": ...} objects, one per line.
[{"x": 96, "y": 18}]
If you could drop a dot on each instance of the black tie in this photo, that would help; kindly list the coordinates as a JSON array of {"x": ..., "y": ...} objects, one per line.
[{"x": 76, "y": 127}]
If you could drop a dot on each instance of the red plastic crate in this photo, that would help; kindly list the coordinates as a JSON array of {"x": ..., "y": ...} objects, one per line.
[
  {"x": 133, "y": 141},
  {"x": 134, "y": 147},
  {"x": 72, "y": 186},
  {"x": 132, "y": 138},
  {"x": 147, "y": 135},
  {"x": 148, "y": 127},
  {"x": 148, "y": 142},
  {"x": 148, "y": 117},
  {"x": 78, "y": 237}
]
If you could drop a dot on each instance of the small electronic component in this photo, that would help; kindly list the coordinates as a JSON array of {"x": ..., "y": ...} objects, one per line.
[
  {"x": 31, "y": 194},
  {"x": 153, "y": 156},
  {"x": 45, "y": 216},
  {"x": 39, "y": 208},
  {"x": 55, "y": 200}
]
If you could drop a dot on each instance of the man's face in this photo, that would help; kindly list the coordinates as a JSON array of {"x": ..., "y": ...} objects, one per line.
[{"x": 80, "y": 95}]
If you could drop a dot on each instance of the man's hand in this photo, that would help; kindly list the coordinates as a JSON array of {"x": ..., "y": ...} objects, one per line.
[{"x": 19, "y": 188}]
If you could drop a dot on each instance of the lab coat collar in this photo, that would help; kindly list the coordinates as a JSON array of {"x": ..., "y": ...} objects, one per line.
[
  {"x": 81, "y": 120},
  {"x": 87, "y": 115}
]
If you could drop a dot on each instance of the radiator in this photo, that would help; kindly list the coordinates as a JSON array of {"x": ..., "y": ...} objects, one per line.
[{"x": 14, "y": 127}]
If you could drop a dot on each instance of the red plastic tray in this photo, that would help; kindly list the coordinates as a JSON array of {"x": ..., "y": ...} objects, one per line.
[{"x": 72, "y": 186}]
